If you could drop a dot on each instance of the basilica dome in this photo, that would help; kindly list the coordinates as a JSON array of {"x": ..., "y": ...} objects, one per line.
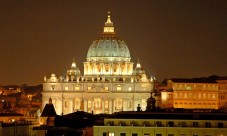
[{"x": 108, "y": 47}]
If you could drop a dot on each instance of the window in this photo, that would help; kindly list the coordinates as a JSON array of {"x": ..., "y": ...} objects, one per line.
[
  {"x": 97, "y": 103},
  {"x": 171, "y": 124},
  {"x": 89, "y": 104},
  {"x": 77, "y": 88},
  {"x": 66, "y": 103},
  {"x": 220, "y": 125},
  {"x": 111, "y": 134},
  {"x": 170, "y": 134},
  {"x": 66, "y": 88},
  {"x": 134, "y": 134},
  {"x": 106, "y": 104},
  {"x": 89, "y": 88},
  {"x": 118, "y": 104},
  {"x": 122, "y": 134},
  {"x": 158, "y": 123},
  {"x": 158, "y": 134},
  {"x": 207, "y": 124},
  {"x": 107, "y": 88},
  {"x": 118, "y": 88},
  {"x": 195, "y": 135},
  {"x": 195, "y": 124},
  {"x": 130, "y": 88},
  {"x": 182, "y": 124}
]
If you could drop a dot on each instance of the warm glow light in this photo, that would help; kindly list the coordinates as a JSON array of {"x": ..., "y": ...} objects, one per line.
[{"x": 164, "y": 96}]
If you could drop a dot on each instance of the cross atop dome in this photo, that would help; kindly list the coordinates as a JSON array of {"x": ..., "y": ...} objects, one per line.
[{"x": 108, "y": 28}]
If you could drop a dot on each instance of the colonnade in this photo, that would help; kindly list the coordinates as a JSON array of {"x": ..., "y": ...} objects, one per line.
[{"x": 95, "y": 105}]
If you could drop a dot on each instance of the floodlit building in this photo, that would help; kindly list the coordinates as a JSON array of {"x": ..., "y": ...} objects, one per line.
[
  {"x": 205, "y": 94},
  {"x": 110, "y": 82},
  {"x": 163, "y": 124}
]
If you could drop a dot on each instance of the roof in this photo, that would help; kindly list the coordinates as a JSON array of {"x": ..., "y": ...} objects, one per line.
[
  {"x": 168, "y": 115},
  {"x": 210, "y": 79}
]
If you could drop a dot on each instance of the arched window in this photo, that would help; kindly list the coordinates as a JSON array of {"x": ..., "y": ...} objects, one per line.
[
  {"x": 118, "y": 104},
  {"x": 97, "y": 103},
  {"x": 106, "y": 104},
  {"x": 77, "y": 103}
]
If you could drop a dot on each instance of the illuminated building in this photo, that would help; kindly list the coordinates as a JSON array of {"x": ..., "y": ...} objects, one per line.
[
  {"x": 163, "y": 124},
  {"x": 109, "y": 84},
  {"x": 200, "y": 93}
]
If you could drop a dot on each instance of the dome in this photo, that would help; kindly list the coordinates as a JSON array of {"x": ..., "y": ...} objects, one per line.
[
  {"x": 108, "y": 47},
  {"x": 73, "y": 70},
  {"x": 138, "y": 69}
]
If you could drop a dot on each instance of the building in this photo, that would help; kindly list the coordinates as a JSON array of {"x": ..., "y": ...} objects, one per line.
[
  {"x": 163, "y": 124},
  {"x": 207, "y": 94},
  {"x": 110, "y": 82}
]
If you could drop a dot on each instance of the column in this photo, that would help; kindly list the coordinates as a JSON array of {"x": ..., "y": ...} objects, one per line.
[
  {"x": 110, "y": 106},
  {"x": 113, "y": 108},
  {"x": 123, "y": 105},
  {"x": 85, "y": 105},
  {"x": 73, "y": 104},
  {"x": 92, "y": 105},
  {"x": 103, "y": 106},
  {"x": 70, "y": 106},
  {"x": 59, "y": 105}
]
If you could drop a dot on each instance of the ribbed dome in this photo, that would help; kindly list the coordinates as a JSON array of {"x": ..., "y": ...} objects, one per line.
[{"x": 108, "y": 46}]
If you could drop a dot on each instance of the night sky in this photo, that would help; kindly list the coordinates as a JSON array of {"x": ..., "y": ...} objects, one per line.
[{"x": 172, "y": 39}]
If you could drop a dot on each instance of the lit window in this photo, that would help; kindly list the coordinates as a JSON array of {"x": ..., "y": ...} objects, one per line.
[
  {"x": 130, "y": 89},
  {"x": 213, "y": 96},
  {"x": 66, "y": 88},
  {"x": 97, "y": 103},
  {"x": 107, "y": 88},
  {"x": 89, "y": 104},
  {"x": 77, "y": 103},
  {"x": 89, "y": 88},
  {"x": 118, "y": 88},
  {"x": 119, "y": 104},
  {"x": 77, "y": 88},
  {"x": 106, "y": 104},
  {"x": 144, "y": 104},
  {"x": 111, "y": 134}
]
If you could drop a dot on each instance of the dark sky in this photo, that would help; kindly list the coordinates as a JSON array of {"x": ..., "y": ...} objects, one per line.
[{"x": 183, "y": 38}]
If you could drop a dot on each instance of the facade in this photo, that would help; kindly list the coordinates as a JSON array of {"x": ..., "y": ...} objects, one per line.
[
  {"x": 200, "y": 93},
  {"x": 110, "y": 82},
  {"x": 163, "y": 124}
]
